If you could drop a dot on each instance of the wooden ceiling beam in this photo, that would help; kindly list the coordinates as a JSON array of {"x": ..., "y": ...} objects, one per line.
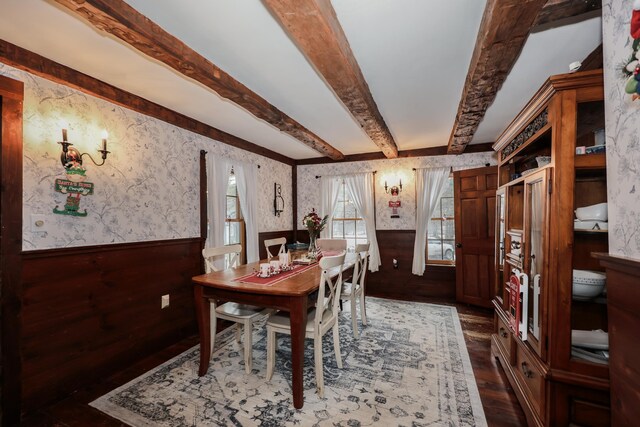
[
  {"x": 504, "y": 29},
  {"x": 556, "y": 10},
  {"x": 35, "y": 64},
  {"x": 314, "y": 28},
  {"x": 124, "y": 22}
]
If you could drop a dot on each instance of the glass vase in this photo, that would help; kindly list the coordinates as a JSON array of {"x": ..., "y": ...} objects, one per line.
[{"x": 313, "y": 248}]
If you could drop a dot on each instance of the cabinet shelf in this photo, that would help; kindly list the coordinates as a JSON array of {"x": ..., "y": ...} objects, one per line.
[
  {"x": 603, "y": 232},
  {"x": 591, "y": 161}
]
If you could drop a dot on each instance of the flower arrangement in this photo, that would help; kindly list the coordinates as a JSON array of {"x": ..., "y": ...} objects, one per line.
[
  {"x": 313, "y": 222},
  {"x": 314, "y": 226}
]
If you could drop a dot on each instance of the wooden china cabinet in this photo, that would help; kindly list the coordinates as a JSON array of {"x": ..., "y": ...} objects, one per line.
[{"x": 541, "y": 182}]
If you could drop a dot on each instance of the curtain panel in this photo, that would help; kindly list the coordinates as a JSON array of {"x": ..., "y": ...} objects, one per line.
[
  {"x": 430, "y": 185},
  {"x": 329, "y": 188},
  {"x": 247, "y": 184},
  {"x": 218, "y": 170},
  {"x": 360, "y": 186}
]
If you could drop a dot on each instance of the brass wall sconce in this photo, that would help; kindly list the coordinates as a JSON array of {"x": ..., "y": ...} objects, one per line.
[
  {"x": 70, "y": 156},
  {"x": 395, "y": 190},
  {"x": 278, "y": 201}
]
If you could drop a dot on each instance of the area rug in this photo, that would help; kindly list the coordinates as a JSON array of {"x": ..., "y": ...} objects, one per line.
[{"x": 409, "y": 367}]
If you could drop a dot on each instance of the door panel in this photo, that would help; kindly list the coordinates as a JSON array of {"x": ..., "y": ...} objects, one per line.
[
  {"x": 468, "y": 218},
  {"x": 475, "y": 205}
]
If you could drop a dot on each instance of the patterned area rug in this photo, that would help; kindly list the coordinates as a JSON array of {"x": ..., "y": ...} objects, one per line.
[{"x": 410, "y": 367}]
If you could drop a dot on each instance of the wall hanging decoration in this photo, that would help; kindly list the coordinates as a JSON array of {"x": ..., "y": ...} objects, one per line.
[
  {"x": 394, "y": 190},
  {"x": 75, "y": 185},
  {"x": 394, "y": 205},
  {"x": 631, "y": 67},
  {"x": 278, "y": 201}
]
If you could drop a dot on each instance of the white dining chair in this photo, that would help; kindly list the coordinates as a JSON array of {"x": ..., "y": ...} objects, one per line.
[
  {"x": 320, "y": 320},
  {"x": 332, "y": 244},
  {"x": 355, "y": 289},
  {"x": 282, "y": 241},
  {"x": 243, "y": 315}
]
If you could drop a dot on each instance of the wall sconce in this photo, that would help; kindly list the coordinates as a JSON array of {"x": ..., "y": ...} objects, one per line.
[
  {"x": 278, "y": 201},
  {"x": 70, "y": 155},
  {"x": 395, "y": 190}
]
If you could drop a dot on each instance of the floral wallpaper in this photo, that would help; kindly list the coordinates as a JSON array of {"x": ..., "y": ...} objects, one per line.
[
  {"x": 622, "y": 133},
  {"x": 148, "y": 189},
  {"x": 390, "y": 170}
]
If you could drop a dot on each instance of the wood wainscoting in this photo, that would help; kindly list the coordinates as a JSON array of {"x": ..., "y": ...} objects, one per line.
[
  {"x": 437, "y": 282},
  {"x": 623, "y": 296},
  {"x": 91, "y": 311}
]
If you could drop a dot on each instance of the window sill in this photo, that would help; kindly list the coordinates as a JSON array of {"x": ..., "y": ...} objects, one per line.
[{"x": 439, "y": 264}]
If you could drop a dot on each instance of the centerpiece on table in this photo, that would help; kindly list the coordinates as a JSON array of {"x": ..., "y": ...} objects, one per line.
[{"x": 314, "y": 225}]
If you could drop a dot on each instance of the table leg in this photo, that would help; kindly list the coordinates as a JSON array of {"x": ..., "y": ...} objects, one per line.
[
  {"x": 298, "y": 317},
  {"x": 202, "y": 314}
]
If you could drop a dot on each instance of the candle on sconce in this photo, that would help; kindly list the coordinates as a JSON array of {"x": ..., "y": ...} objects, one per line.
[
  {"x": 105, "y": 135},
  {"x": 64, "y": 135}
]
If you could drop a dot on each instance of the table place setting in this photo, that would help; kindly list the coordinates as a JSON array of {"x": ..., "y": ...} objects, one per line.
[{"x": 274, "y": 271}]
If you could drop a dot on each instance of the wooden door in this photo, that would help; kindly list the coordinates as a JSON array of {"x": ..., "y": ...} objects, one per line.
[{"x": 475, "y": 214}]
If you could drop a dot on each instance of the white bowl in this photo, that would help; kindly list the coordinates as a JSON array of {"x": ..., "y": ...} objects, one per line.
[
  {"x": 587, "y": 284},
  {"x": 593, "y": 213}
]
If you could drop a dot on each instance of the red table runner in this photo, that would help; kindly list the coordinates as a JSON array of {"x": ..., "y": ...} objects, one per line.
[{"x": 268, "y": 281}]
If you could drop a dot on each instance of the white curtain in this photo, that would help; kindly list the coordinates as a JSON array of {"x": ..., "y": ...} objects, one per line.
[
  {"x": 218, "y": 171},
  {"x": 360, "y": 186},
  {"x": 430, "y": 185},
  {"x": 329, "y": 187},
  {"x": 247, "y": 184}
]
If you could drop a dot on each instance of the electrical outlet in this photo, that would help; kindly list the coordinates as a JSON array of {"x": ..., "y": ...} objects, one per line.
[{"x": 164, "y": 301}]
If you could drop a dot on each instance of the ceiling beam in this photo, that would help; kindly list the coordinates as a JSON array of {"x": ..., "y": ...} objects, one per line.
[
  {"x": 504, "y": 29},
  {"x": 556, "y": 10},
  {"x": 124, "y": 22},
  {"x": 33, "y": 63},
  {"x": 314, "y": 28},
  {"x": 402, "y": 154}
]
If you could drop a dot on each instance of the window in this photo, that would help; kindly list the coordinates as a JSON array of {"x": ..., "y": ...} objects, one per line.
[
  {"x": 234, "y": 223},
  {"x": 347, "y": 222},
  {"x": 441, "y": 232}
]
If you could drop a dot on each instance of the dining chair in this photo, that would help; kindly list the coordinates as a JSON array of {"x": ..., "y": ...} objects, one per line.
[
  {"x": 282, "y": 241},
  {"x": 320, "y": 320},
  {"x": 243, "y": 315},
  {"x": 355, "y": 288},
  {"x": 332, "y": 244}
]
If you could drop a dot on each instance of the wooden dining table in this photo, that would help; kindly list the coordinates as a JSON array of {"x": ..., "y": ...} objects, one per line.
[{"x": 295, "y": 294}]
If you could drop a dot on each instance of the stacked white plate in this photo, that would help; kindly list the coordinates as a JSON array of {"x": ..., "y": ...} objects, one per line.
[
  {"x": 590, "y": 345},
  {"x": 595, "y": 340}
]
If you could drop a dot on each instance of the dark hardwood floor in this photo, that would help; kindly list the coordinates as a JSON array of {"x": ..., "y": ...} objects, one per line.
[{"x": 500, "y": 404}]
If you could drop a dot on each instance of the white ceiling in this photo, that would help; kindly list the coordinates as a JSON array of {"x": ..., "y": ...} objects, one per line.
[
  {"x": 546, "y": 53},
  {"x": 414, "y": 55}
]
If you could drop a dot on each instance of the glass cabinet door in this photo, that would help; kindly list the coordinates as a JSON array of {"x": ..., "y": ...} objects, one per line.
[
  {"x": 500, "y": 238},
  {"x": 536, "y": 227}
]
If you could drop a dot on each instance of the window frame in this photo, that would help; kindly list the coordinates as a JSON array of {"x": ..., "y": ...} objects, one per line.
[
  {"x": 238, "y": 219},
  {"x": 442, "y": 219},
  {"x": 345, "y": 219}
]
